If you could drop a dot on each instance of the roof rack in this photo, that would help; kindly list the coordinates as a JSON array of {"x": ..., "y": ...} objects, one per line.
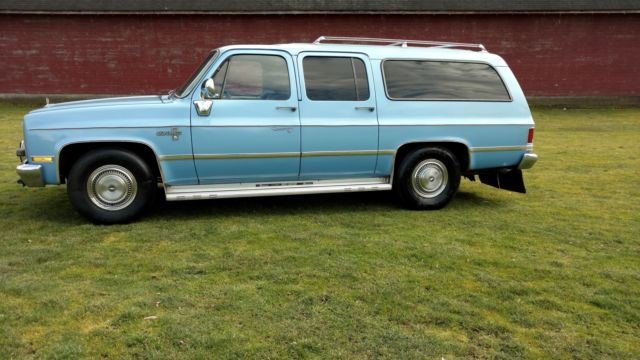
[{"x": 397, "y": 42}]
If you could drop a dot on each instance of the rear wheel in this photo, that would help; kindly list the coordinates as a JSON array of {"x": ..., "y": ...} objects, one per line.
[
  {"x": 427, "y": 179},
  {"x": 111, "y": 186}
]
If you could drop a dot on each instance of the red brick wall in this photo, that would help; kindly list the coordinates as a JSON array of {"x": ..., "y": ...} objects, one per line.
[{"x": 552, "y": 55}]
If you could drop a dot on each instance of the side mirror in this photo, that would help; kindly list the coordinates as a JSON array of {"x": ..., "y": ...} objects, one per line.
[
  {"x": 208, "y": 89},
  {"x": 203, "y": 106}
]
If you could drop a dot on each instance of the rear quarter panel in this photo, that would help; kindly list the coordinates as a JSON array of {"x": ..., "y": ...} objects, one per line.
[{"x": 495, "y": 132}]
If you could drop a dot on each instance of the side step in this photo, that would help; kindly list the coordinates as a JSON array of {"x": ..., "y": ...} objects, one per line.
[{"x": 221, "y": 191}]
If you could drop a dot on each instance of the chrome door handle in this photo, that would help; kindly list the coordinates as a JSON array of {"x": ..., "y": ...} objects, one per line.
[
  {"x": 291, "y": 108},
  {"x": 369, "y": 108}
]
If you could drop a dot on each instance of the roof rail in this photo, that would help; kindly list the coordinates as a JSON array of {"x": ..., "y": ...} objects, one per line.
[{"x": 397, "y": 42}]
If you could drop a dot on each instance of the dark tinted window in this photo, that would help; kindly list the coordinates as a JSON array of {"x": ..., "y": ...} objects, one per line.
[
  {"x": 335, "y": 78},
  {"x": 434, "y": 80},
  {"x": 256, "y": 77}
]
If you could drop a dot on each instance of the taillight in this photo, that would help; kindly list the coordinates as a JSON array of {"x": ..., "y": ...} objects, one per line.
[{"x": 530, "y": 136}]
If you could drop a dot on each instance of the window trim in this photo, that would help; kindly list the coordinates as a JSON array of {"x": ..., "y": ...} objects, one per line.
[
  {"x": 349, "y": 56},
  {"x": 224, "y": 81},
  {"x": 384, "y": 80}
]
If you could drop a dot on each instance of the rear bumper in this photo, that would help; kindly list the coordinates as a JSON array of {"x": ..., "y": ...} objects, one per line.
[
  {"x": 528, "y": 160},
  {"x": 30, "y": 175}
]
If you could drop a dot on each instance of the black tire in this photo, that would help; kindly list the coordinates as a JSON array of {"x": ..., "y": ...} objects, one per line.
[
  {"x": 110, "y": 186},
  {"x": 427, "y": 178}
]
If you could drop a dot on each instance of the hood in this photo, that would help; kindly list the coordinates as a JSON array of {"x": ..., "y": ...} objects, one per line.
[
  {"x": 115, "y": 101},
  {"x": 111, "y": 112}
]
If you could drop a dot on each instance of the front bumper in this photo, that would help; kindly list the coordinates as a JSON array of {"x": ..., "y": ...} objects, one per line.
[
  {"x": 528, "y": 160},
  {"x": 30, "y": 175}
]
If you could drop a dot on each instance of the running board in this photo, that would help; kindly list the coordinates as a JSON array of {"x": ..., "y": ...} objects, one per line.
[{"x": 222, "y": 191}]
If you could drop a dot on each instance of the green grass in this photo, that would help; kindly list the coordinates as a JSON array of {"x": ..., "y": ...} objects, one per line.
[{"x": 554, "y": 273}]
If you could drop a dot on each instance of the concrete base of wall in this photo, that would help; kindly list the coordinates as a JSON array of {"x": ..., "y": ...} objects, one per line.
[
  {"x": 574, "y": 102},
  {"x": 584, "y": 102}
]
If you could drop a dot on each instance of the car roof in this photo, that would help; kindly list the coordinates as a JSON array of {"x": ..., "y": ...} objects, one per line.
[{"x": 381, "y": 52}]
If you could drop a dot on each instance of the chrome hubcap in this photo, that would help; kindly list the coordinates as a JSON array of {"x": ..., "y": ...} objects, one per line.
[
  {"x": 112, "y": 187},
  {"x": 429, "y": 178}
]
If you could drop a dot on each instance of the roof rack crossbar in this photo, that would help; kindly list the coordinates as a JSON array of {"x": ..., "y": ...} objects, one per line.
[{"x": 397, "y": 42}]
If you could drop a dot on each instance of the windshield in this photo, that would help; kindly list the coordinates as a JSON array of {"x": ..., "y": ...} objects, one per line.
[{"x": 191, "y": 83}]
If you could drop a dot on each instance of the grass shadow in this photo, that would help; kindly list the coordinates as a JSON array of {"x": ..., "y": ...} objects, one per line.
[
  {"x": 276, "y": 205},
  {"x": 303, "y": 205},
  {"x": 54, "y": 205}
]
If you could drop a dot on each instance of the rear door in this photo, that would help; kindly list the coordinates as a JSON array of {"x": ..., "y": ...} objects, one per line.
[{"x": 338, "y": 116}]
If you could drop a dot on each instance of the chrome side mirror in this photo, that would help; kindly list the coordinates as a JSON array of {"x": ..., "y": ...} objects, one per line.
[
  {"x": 208, "y": 89},
  {"x": 203, "y": 106}
]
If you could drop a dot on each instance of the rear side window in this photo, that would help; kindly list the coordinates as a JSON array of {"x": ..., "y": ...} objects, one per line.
[
  {"x": 335, "y": 78},
  {"x": 255, "y": 77},
  {"x": 442, "y": 80}
]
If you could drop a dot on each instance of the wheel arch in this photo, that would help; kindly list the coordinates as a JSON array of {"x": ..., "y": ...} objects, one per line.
[
  {"x": 69, "y": 153},
  {"x": 459, "y": 149}
]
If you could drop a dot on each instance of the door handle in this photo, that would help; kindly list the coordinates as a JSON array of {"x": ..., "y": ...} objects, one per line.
[
  {"x": 291, "y": 108},
  {"x": 369, "y": 108}
]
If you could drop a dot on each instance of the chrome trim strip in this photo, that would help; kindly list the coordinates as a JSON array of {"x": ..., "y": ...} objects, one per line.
[
  {"x": 498, "y": 148},
  {"x": 246, "y": 156},
  {"x": 274, "y": 155},
  {"x": 175, "y": 157},
  {"x": 276, "y": 184},
  {"x": 111, "y": 127},
  {"x": 339, "y": 153},
  {"x": 357, "y": 125},
  {"x": 387, "y": 152},
  {"x": 272, "y": 126},
  {"x": 217, "y": 191},
  {"x": 248, "y": 126}
]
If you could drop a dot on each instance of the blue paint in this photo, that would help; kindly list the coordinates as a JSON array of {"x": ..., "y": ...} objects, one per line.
[{"x": 237, "y": 127}]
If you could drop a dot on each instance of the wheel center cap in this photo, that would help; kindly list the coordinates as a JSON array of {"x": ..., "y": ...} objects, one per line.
[{"x": 429, "y": 178}]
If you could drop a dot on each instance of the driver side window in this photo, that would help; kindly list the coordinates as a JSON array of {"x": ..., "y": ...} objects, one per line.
[{"x": 253, "y": 77}]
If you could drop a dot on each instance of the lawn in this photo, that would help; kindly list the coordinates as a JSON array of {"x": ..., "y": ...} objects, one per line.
[{"x": 554, "y": 273}]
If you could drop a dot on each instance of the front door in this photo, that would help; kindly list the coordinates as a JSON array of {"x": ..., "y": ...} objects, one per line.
[
  {"x": 338, "y": 116},
  {"x": 252, "y": 133}
]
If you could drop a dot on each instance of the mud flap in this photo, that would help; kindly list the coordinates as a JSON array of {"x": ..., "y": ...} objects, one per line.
[{"x": 506, "y": 179}]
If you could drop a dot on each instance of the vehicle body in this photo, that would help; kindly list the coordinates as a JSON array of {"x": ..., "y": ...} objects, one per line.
[{"x": 261, "y": 120}]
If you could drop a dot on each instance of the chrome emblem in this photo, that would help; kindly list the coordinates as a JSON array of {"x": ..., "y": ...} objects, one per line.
[{"x": 174, "y": 133}]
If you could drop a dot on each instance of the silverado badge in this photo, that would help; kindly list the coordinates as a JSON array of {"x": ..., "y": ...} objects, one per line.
[{"x": 174, "y": 133}]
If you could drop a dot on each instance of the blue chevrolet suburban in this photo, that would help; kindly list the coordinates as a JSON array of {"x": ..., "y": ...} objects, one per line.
[{"x": 337, "y": 115}]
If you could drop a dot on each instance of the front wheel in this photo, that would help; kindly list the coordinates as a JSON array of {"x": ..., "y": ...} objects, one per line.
[
  {"x": 427, "y": 179},
  {"x": 111, "y": 186}
]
